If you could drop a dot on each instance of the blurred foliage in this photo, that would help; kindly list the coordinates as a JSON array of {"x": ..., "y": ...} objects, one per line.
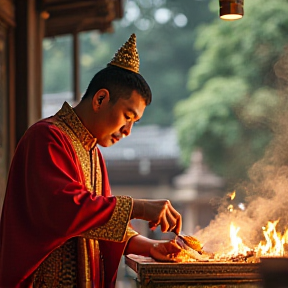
[
  {"x": 165, "y": 45},
  {"x": 233, "y": 88}
]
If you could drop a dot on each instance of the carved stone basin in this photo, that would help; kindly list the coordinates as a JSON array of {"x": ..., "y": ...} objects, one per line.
[{"x": 151, "y": 274}]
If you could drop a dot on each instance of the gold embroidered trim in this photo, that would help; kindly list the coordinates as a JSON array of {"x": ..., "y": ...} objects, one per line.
[
  {"x": 84, "y": 145},
  {"x": 82, "y": 154},
  {"x": 115, "y": 229},
  {"x": 67, "y": 114},
  {"x": 130, "y": 233},
  {"x": 59, "y": 268},
  {"x": 88, "y": 252},
  {"x": 98, "y": 176}
]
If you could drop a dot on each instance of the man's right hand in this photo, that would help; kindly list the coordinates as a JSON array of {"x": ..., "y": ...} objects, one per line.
[{"x": 157, "y": 212}]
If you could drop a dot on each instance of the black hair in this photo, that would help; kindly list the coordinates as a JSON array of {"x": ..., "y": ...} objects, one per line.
[{"x": 120, "y": 83}]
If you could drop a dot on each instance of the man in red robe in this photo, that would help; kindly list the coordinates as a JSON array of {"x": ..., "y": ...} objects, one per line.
[{"x": 60, "y": 225}]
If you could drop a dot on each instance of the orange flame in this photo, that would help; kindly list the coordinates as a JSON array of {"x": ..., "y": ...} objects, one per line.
[
  {"x": 232, "y": 195},
  {"x": 274, "y": 245},
  {"x": 230, "y": 208},
  {"x": 236, "y": 241}
]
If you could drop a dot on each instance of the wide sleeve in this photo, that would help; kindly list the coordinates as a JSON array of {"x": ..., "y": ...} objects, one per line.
[
  {"x": 46, "y": 201},
  {"x": 55, "y": 190}
]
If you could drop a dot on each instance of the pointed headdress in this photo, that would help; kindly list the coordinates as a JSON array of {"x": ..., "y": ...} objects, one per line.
[{"x": 127, "y": 56}]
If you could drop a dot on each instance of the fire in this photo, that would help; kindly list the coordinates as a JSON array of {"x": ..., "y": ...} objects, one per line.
[
  {"x": 236, "y": 242},
  {"x": 230, "y": 208},
  {"x": 232, "y": 195},
  {"x": 236, "y": 251},
  {"x": 274, "y": 244}
]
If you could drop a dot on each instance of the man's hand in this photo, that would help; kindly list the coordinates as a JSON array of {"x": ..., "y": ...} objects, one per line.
[
  {"x": 157, "y": 212},
  {"x": 165, "y": 251}
]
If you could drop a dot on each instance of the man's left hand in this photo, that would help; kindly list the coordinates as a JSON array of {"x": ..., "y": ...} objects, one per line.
[{"x": 165, "y": 251}]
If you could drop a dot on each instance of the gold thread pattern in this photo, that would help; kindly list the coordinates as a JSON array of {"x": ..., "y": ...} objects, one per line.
[
  {"x": 84, "y": 273},
  {"x": 130, "y": 233},
  {"x": 67, "y": 114},
  {"x": 59, "y": 268},
  {"x": 85, "y": 147},
  {"x": 115, "y": 229},
  {"x": 98, "y": 176}
]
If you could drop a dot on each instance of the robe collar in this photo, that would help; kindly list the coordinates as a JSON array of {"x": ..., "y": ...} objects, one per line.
[{"x": 70, "y": 118}]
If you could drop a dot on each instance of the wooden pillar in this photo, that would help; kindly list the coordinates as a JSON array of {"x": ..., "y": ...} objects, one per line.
[
  {"x": 11, "y": 96},
  {"x": 28, "y": 57},
  {"x": 76, "y": 80},
  {"x": 7, "y": 140}
]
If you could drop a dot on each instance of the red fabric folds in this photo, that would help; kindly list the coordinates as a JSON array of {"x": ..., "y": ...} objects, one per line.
[{"x": 47, "y": 203}]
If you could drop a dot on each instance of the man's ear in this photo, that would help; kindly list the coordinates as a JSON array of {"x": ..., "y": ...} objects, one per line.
[{"x": 101, "y": 96}]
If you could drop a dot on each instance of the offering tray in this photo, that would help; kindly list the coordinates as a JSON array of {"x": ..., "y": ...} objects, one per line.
[{"x": 149, "y": 273}]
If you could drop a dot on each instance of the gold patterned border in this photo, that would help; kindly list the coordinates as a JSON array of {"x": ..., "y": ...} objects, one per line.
[
  {"x": 82, "y": 154},
  {"x": 115, "y": 229},
  {"x": 130, "y": 233}
]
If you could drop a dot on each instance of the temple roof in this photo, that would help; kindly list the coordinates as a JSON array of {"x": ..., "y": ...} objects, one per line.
[
  {"x": 148, "y": 156},
  {"x": 149, "y": 142}
]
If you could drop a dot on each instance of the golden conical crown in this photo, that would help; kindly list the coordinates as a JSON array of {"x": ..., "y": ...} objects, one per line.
[{"x": 127, "y": 56}]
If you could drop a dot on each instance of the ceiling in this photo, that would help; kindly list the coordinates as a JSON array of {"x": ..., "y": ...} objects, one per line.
[{"x": 72, "y": 16}]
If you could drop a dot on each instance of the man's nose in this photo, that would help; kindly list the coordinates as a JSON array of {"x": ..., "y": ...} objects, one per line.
[{"x": 126, "y": 130}]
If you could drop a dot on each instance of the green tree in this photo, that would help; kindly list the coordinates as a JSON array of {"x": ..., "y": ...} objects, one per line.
[{"x": 233, "y": 97}]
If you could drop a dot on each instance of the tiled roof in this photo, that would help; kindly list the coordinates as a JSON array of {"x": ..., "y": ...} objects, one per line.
[{"x": 149, "y": 142}]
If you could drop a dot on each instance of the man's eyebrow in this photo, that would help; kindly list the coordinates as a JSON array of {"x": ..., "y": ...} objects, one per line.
[{"x": 133, "y": 112}]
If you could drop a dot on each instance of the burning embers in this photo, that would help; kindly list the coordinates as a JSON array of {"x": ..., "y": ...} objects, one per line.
[{"x": 274, "y": 244}]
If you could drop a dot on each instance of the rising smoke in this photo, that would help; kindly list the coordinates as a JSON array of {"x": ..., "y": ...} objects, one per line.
[{"x": 267, "y": 187}]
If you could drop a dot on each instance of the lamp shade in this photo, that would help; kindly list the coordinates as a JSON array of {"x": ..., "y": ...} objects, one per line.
[{"x": 231, "y": 9}]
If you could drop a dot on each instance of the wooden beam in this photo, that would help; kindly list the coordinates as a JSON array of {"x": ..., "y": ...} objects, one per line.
[
  {"x": 60, "y": 5},
  {"x": 69, "y": 17},
  {"x": 7, "y": 12}
]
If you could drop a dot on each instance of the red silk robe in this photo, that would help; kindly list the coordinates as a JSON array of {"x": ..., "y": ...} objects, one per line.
[{"x": 58, "y": 191}]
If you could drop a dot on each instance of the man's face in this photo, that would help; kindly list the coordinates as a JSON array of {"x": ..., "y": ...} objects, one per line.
[{"x": 115, "y": 121}]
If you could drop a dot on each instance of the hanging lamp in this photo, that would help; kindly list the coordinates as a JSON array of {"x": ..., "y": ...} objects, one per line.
[{"x": 231, "y": 9}]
